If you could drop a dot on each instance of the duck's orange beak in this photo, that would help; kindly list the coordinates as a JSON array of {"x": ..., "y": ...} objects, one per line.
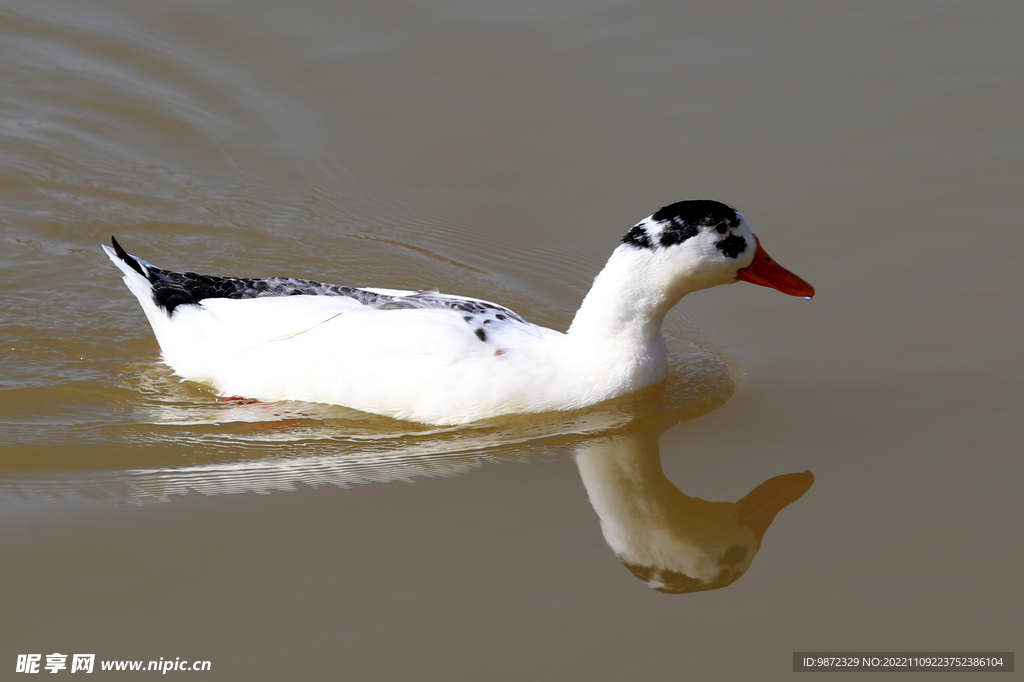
[{"x": 768, "y": 273}]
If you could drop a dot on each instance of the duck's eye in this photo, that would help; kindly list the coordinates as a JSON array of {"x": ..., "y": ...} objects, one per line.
[{"x": 722, "y": 228}]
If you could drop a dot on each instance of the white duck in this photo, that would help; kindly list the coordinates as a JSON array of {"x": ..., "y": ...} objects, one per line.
[{"x": 439, "y": 359}]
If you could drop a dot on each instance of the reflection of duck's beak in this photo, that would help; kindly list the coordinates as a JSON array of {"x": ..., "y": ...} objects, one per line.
[
  {"x": 674, "y": 542},
  {"x": 758, "y": 508}
]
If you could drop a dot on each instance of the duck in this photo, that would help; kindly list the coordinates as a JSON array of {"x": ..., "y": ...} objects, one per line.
[{"x": 441, "y": 359}]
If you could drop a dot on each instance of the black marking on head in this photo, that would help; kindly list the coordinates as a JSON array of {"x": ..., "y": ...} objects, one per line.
[
  {"x": 480, "y": 334},
  {"x": 637, "y": 237},
  {"x": 701, "y": 212},
  {"x": 681, "y": 221},
  {"x": 677, "y": 234},
  {"x": 499, "y": 316},
  {"x": 732, "y": 246}
]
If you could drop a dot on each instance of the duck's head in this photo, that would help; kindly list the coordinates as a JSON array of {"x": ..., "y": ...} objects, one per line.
[{"x": 708, "y": 243}]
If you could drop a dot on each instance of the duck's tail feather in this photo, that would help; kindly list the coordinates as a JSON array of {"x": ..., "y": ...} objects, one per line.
[
  {"x": 122, "y": 258},
  {"x": 139, "y": 277},
  {"x": 127, "y": 258}
]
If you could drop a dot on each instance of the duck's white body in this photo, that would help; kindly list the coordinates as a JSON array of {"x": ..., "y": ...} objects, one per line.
[{"x": 424, "y": 356}]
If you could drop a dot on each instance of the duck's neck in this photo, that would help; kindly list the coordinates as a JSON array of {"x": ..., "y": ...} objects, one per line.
[{"x": 629, "y": 299}]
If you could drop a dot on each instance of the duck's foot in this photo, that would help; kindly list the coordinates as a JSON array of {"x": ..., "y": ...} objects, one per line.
[{"x": 236, "y": 399}]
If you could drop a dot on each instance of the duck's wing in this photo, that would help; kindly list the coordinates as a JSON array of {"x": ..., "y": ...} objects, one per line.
[
  {"x": 169, "y": 289},
  {"x": 344, "y": 325},
  {"x": 425, "y": 364},
  {"x": 200, "y": 320}
]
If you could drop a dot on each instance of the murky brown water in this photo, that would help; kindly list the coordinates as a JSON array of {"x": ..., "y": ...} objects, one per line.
[{"x": 500, "y": 149}]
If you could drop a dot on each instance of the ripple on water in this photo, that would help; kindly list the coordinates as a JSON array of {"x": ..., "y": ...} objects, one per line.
[{"x": 170, "y": 437}]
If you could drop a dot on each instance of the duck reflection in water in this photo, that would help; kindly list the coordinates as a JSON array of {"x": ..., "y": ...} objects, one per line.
[{"x": 673, "y": 542}]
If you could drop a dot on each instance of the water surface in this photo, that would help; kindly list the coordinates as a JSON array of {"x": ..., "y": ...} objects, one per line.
[{"x": 500, "y": 150}]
